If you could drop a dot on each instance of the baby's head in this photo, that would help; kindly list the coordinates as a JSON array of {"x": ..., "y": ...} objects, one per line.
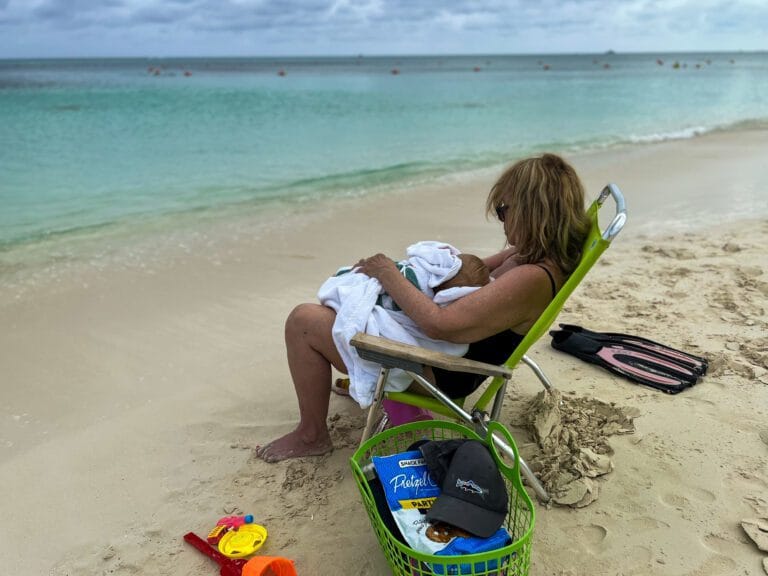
[{"x": 473, "y": 272}]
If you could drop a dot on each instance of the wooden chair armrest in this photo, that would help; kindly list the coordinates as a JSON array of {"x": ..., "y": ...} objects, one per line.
[{"x": 393, "y": 354}]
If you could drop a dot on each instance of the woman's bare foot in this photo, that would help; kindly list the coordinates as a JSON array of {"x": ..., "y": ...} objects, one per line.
[{"x": 293, "y": 445}]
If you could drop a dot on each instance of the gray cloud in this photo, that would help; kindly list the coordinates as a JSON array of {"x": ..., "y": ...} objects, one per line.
[
  {"x": 229, "y": 15},
  {"x": 57, "y": 10}
]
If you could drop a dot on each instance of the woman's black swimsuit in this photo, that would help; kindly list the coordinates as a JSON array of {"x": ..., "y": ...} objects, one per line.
[{"x": 492, "y": 350}]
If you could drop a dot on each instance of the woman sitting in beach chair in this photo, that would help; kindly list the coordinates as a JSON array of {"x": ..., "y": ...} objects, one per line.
[{"x": 540, "y": 203}]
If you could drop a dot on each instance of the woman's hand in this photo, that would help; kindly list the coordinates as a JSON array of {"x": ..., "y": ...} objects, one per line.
[{"x": 376, "y": 266}]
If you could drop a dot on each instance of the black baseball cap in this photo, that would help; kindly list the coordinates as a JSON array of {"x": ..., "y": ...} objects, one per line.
[{"x": 474, "y": 495}]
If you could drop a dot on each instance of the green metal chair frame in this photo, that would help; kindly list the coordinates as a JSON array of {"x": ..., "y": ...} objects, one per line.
[{"x": 413, "y": 359}]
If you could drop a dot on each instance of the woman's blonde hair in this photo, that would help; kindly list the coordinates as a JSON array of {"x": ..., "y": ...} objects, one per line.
[{"x": 544, "y": 201}]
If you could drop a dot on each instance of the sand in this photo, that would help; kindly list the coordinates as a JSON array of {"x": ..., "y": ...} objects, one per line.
[{"x": 135, "y": 386}]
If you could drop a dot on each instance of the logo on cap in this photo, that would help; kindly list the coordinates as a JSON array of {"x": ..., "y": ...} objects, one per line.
[{"x": 470, "y": 486}]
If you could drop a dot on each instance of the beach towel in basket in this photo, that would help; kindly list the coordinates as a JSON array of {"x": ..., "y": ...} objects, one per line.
[{"x": 510, "y": 560}]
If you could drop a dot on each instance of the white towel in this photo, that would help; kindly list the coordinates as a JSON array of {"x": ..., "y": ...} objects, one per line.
[
  {"x": 434, "y": 262},
  {"x": 353, "y": 296}
]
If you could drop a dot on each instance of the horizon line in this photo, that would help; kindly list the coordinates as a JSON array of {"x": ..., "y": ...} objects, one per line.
[{"x": 386, "y": 55}]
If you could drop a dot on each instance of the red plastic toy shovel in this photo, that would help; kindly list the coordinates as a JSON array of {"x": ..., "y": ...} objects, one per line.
[{"x": 229, "y": 567}]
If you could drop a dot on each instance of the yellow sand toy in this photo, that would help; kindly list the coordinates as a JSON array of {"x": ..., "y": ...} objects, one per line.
[{"x": 243, "y": 541}]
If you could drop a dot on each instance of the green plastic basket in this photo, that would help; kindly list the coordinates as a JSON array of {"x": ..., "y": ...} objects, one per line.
[{"x": 511, "y": 560}]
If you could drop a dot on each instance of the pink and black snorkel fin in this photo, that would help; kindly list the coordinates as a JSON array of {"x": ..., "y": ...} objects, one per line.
[{"x": 638, "y": 359}]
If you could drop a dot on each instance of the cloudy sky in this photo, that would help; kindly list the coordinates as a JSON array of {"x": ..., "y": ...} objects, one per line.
[{"x": 39, "y": 28}]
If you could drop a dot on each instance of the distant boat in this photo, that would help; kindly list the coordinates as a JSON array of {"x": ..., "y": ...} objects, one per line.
[{"x": 610, "y": 52}]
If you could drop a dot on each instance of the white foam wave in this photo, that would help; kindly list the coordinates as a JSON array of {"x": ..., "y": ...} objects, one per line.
[{"x": 682, "y": 134}]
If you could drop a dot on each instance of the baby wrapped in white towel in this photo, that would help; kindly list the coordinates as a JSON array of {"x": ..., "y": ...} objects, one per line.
[{"x": 437, "y": 269}]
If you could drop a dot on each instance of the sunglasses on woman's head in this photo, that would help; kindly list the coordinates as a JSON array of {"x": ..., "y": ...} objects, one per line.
[{"x": 501, "y": 211}]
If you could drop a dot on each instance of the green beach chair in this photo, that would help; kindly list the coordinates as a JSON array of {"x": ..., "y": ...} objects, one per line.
[{"x": 413, "y": 359}]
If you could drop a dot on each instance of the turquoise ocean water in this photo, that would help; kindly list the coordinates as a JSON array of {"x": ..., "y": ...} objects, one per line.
[{"x": 86, "y": 145}]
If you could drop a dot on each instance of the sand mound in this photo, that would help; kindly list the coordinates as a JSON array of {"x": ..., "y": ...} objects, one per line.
[{"x": 572, "y": 438}]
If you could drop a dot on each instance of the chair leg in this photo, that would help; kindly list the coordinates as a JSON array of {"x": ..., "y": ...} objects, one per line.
[
  {"x": 498, "y": 401},
  {"x": 381, "y": 425},
  {"x": 527, "y": 473},
  {"x": 534, "y": 482},
  {"x": 539, "y": 373},
  {"x": 378, "y": 396}
]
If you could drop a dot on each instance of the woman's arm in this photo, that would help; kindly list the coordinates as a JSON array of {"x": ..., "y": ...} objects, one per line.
[{"x": 514, "y": 300}]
